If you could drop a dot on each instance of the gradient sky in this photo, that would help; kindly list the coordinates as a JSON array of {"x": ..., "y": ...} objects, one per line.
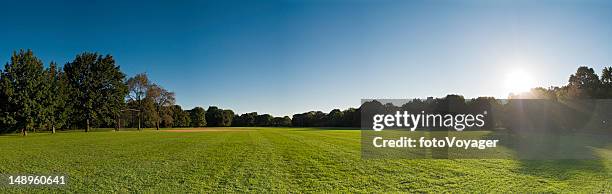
[{"x": 286, "y": 57}]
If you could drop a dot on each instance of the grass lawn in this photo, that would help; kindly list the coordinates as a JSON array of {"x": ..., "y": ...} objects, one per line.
[{"x": 272, "y": 159}]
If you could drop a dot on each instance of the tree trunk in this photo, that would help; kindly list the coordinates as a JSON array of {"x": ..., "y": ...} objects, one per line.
[
  {"x": 138, "y": 121},
  {"x": 157, "y": 125},
  {"x": 53, "y": 129},
  {"x": 116, "y": 124},
  {"x": 24, "y": 131},
  {"x": 87, "y": 127}
]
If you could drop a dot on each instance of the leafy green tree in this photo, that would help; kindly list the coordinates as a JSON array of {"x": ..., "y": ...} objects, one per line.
[
  {"x": 351, "y": 118},
  {"x": 22, "y": 80},
  {"x": 166, "y": 118},
  {"x": 6, "y": 120},
  {"x": 263, "y": 120},
  {"x": 137, "y": 92},
  {"x": 98, "y": 88},
  {"x": 245, "y": 120},
  {"x": 334, "y": 118},
  {"x": 214, "y": 116},
  {"x": 606, "y": 82},
  {"x": 281, "y": 121},
  {"x": 162, "y": 99},
  {"x": 57, "y": 109},
  {"x": 228, "y": 116},
  {"x": 180, "y": 117},
  {"x": 606, "y": 76},
  {"x": 584, "y": 83},
  {"x": 148, "y": 113},
  {"x": 198, "y": 117}
]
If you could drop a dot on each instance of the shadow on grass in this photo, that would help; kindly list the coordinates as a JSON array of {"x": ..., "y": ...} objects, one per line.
[
  {"x": 563, "y": 169},
  {"x": 559, "y": 156}
]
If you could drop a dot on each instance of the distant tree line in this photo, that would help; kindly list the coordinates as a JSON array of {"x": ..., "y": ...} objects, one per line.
[
  {"x": 584, "y": 84},
  {"x": 92, "y": 91},
  {"x": 335, "y": 118}
]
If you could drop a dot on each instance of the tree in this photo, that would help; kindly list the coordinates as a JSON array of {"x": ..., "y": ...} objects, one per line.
[
  {"x": 6, "y": 121},
  {"x": 148, "y": 114},
  {"x": 198, "y": 117},
  {"x": 137, "y": 91},
  {"x": 22, "y": 80},
  {"x": 584, "y": 83},
  {"x": 351, "y": 118},
  {"x": 180, "y": 118},
  {"x": 162, "y": 99},
  {"x": 245, "y": 120},
  {"x": 334, "y": 118},
  {"x": 98, "y": 88},
  {"x": 281, "y": 121},
  {"x": 606, "y": 82},
  {"x": 606, "y": 76},
  {"x": 228, "y": 116},
  {"x": 57, "y": 109},
  {"x": 263, "y": 120},
  {"x": 166, "y": 119},
  {"x": 214, "y": 116}
]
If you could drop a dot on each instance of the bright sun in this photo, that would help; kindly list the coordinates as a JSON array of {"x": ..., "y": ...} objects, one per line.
[{"x": 518, "y": 81}]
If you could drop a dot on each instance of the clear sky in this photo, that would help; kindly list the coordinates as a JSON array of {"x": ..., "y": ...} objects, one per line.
[{"x": 286, "y": 57}]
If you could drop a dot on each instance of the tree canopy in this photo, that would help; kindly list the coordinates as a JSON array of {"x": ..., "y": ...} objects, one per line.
[
  {"x": 99, "y": 88},
  {"x": 23, "y": 84}
]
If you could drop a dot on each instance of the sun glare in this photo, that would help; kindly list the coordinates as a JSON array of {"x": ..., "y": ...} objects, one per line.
[{"x": 518, "y": 81}]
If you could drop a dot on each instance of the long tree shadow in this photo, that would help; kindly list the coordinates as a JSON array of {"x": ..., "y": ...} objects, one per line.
[
  {"x": 558, "y": 156},
  {"x": 564, "y": 169}
]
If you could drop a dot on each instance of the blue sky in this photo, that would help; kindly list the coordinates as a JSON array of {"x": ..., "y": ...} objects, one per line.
[{"x": 286, "y": 57}]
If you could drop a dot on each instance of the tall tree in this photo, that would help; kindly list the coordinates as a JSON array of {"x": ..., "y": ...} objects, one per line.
[
  {"x": 6, "y": 121},
  {"x": 149, "y": 113},
  {"x": 162, "y": 99},
  {"x": 98, "y": 88},
  {"x": 584, "y": 83},
  {"x": 198, "y": 117},
  {"x": 228, "y": 117},
  {"x": 181, "y": 118},
  {"x": 137, "y": 91},
  {"x": 214, "y": 116},
  {"x": 22, "y": 80},
  {"x": 57, "y": 109},
  {"x": 606, "y": 82},
  {"x": 606, "y": 76}
]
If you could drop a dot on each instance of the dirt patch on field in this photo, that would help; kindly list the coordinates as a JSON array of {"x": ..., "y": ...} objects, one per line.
[{"x": 206, "y": 130}]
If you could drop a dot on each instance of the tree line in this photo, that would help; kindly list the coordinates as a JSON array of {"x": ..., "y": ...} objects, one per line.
[
  {"x": 92, "y": 91},
  {"x": 87, "y": 91},
  {"x": 584, "y": 84}
]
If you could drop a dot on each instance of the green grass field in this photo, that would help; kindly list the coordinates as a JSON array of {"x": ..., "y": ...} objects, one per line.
[{"x": 271, "y": 159}]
